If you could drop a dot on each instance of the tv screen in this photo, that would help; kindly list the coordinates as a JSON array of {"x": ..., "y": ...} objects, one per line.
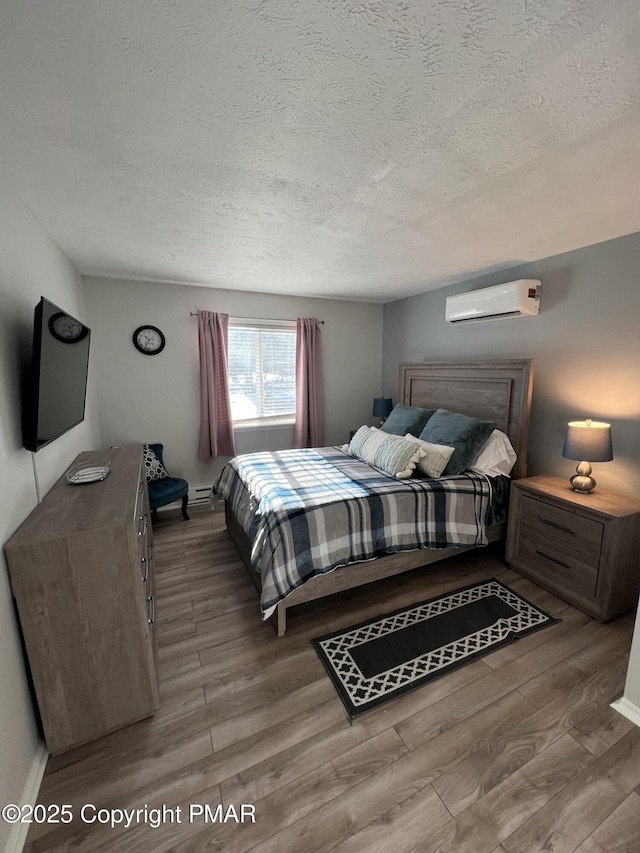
[{"x": 58, "y": 383}]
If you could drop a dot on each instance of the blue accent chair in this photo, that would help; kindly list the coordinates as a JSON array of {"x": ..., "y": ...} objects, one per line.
[{"x": 168, "y": 490}]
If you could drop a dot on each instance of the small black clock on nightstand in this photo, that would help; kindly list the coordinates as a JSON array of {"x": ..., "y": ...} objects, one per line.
[{"x": 148, "y": 340}]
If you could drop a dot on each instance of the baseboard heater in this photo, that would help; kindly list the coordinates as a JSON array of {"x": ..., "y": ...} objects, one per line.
[{"x": 199, "y": 495}]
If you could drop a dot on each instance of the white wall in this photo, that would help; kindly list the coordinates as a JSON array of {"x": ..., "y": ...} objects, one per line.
[
  {"x": 31, "y": 266},
  {"x": 156, "y": 398},
  {"x": 630, "y": 704},
  {"x": 586, "y": 343}
]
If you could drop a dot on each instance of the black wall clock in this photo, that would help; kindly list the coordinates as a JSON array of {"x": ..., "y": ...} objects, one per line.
[
  {"x": 148, "y": 340},
  {"x": 66, "y": 329}
]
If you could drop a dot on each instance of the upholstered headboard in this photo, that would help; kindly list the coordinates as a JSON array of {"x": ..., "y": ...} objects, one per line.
[{"x": 498, "y": 390}]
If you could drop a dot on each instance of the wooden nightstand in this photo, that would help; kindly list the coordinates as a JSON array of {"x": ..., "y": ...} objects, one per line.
[{"x": 584, "y": 548}]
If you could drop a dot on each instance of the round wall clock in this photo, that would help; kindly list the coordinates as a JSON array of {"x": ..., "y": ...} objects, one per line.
[
  {"x": 67, "y": 329},
  {"x": 148, "y": 340}
]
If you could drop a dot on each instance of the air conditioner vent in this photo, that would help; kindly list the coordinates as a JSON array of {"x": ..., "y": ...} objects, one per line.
[{"x": 514, "y": 299}]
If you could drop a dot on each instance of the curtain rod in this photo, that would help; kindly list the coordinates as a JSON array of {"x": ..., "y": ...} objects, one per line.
[{"x": 253, "y": 319}]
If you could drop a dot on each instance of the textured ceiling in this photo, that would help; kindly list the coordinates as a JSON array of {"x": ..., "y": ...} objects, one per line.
[{"x": 365, "y": 149}]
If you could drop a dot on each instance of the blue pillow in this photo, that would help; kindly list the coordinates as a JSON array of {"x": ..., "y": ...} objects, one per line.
[
  {"x": 467, "y": 435},
  {"x": 406, "y": 419}
]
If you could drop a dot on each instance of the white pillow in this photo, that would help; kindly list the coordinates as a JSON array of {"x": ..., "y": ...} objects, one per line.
[
  {"x": 395, "y": 456},
  {"x": 371, "y": 445},
  {"x": 435, "y": 459},
  {"x": 391, "y": 453},
  {"x": 358, "y": 441},
  {"x": 154, "y": 468},
  {"x": 496, "y": 457}
]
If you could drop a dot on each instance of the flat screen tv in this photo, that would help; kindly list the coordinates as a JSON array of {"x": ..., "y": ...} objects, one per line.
[{"x": 57, "y": 386}]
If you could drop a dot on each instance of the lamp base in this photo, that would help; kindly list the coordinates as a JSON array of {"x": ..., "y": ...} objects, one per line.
[{"x": 582, "y": 481}]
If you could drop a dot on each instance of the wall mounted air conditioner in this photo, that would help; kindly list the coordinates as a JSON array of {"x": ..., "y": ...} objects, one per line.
[{"x": 514, "y": 299}]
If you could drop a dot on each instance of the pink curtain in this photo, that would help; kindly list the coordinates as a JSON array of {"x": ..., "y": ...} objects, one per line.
[
  {"x": 216, "y": 426},
  {"x": 309, "y": 426}
]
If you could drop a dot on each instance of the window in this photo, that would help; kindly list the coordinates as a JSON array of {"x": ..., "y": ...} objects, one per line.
[{"x": 262, "y": 370}]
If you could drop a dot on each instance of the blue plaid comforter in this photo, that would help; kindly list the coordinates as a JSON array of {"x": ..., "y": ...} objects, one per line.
[{"x": 309, "y": 511}]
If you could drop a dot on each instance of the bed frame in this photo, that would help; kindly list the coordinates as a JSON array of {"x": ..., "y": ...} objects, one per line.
[{"x": 497, "y": 391}]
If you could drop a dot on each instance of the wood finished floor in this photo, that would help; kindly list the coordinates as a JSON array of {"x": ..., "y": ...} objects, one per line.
[{"x": 516, "y": 753}]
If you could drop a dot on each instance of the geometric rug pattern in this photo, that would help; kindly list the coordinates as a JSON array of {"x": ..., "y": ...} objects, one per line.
[{"x": 380, "y": 659}]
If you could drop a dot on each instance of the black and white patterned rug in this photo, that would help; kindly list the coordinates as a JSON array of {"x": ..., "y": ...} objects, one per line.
[{"x": 383, "y": 658}]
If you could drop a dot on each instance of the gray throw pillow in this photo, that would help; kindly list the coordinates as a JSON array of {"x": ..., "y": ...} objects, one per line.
[
  {"x": 467, "y": 435},
  {"x": 406, "y": 419}
]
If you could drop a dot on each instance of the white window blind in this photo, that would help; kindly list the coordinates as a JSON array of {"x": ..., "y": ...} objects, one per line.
[{"x": 262, "y": 370}]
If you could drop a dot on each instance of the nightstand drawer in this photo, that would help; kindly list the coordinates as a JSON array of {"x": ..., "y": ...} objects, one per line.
[
  {"x": 584, "y": 548},
  {"x": 566, "y": 528},
  {"x": 556, "y": 563}
]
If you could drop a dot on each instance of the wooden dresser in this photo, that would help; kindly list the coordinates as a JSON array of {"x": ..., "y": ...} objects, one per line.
[
  {"x": 585, "y": 548},
  {"x": 81, "y": 573}
]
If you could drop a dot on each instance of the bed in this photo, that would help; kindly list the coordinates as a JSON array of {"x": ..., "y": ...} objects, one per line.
[{"x": 497, "y": 391}]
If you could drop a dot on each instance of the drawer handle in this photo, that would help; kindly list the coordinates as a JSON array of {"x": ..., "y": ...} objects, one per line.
[
  {"x": 151, "y": 600},
  {"x": 553, "y": 559},
  {"x": 145, "y": 569},
  {"x": 558, "y": 526}
]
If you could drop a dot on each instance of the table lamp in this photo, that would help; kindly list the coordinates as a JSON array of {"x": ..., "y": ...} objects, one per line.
[
  {"x": 587, "y": 440},
  {"x": 382, "y": 408}
]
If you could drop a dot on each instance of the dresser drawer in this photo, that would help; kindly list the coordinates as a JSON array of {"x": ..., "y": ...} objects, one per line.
[
  {"x": 556, "y": 563},
  {"x": 141, "y": 516},
  {"x": 562, "y": 526}
]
